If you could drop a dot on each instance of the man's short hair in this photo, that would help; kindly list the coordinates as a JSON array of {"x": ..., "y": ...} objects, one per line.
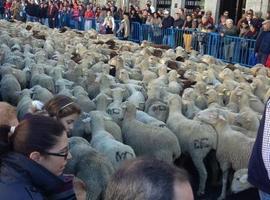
[{"x": 145, "y": 178}]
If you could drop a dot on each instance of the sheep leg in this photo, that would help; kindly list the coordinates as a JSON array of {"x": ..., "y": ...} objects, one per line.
[
  {"x": 198, "y": 162},
  {"x": 225, "y": 173}
]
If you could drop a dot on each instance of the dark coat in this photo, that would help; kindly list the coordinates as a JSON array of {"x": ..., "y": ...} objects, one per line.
[
  {"x": 30, "y": 9},
  {"x": 167, "y": 22},
  {"x": 178, "y": 23},
  {"x": 24, "y": 179},
  {"x": 263, "y": 43}
]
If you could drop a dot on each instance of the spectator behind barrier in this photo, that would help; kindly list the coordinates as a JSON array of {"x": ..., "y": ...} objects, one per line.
[
  {"x": 149, "y": 179},
  {"x": 125, "y": 27},
  {"x": 33, "y": 159},
  {"x": 262, "y": 47},
  {"x": 229, "y": 43},
  {"x": 109, "y": 23}
]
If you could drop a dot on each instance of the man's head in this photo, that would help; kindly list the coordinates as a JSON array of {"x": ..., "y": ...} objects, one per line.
[
  {"x": 146, "y": 178},
  {"x": 166, "y": 13},
  {"x": 266, "y": 25},
  {"x": 229, "y": 23}
]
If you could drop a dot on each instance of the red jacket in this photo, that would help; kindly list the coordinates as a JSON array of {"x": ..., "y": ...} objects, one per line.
[
  {"x": 7, "y": 5},
  {"x": 89, "y": 14}
]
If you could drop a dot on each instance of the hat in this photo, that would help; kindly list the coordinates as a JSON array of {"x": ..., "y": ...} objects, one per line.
[
  {"x": 166, "y": 12},
  {"x": 266, "y": 21}
]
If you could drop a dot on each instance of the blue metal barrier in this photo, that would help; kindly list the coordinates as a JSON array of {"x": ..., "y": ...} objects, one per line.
[
  {"x": 135, "y": 31},
  {"x": 227, "y": 48}
]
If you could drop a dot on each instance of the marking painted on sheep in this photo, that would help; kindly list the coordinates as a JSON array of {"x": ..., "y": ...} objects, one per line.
[
  {"x": 159, "y": 108},
  {"x": 114, "y": 111},
  {"x": 201, "y": 143},
  {"x": 119, "y": 156}
]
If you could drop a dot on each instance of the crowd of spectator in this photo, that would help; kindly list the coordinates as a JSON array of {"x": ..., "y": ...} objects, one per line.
[{"x": 62, "y": 13}]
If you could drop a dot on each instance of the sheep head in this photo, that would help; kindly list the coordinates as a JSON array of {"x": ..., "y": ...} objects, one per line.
[
  {"x": 240, "y": 182},
  {"x": 212, "y": 116}
]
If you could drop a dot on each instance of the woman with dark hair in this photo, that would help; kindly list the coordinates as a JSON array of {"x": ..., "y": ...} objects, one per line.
[
  {"x": 33, "y": 158},
  {"x": 149, "y": 179},
  {"x": 64, "y": 109}
]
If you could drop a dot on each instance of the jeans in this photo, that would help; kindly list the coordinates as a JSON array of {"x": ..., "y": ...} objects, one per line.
[
  {"x": 264, "y": 196},
  {"x": 87, "y": 25}
]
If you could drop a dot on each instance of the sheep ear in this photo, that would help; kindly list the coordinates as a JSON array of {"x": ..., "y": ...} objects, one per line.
[
  {"x": 18, "y": 93},
  {"x": 87, "y": 120},
  {"x": 221, "y": 116},
  {"x": 243, "y": 178}
]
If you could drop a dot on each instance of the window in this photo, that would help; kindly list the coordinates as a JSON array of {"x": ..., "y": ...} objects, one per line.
[{"x": 165, "y": 4}]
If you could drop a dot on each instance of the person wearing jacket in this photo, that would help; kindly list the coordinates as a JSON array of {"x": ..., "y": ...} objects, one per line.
[
  {"x": 229, "y": 43},
  {"x": 166, "y": 23},
  {"x": 89, "y": 15},
  {"x": 125, "y": 26},
  {"x": 52, "y": 14},
  {"x": 262, "y": 46},
  {"x": 109, "y": 23},
  {"x": 259, "y": 162},
  {"x": 33, "y": 156}
]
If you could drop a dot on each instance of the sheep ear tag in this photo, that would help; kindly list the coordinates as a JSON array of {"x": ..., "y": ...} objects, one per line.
[{"x": 243, "y": 179}]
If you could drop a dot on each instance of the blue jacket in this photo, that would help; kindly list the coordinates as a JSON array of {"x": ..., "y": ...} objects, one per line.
[
  {"x": 24, "y": 179},
  {"x": 257, "y": 173},
  {"x": 263, "y": 43}
]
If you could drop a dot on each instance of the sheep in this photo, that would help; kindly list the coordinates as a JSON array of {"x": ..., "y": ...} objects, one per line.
[
  {"x": 157, "y": 109},
  {"x": 249, "y": 122},
  {"x": 41, "y": 94},
  {"x": 240, "y": 182},
  {"x": 195, "y": 138},
  {"x": 146, "y": 139},
  {"x": 174, "y": 86},
  {"x": 233, "y": 147},
  {"x": 9, "y": 87},
  {"x": 259, "y": 88},
  {"x": 147, "y": 119},
  {"x": 25, "y": 103},
  {"x": 90, "y": 84},
  {"x": 105, "y": 143},
  {"x": 63, "y": 87},
  {"x": 93, "y": 168},
  {"x": 114, "y": 108},
  {"x": 124, "y": 78},
  {"x": 19, "y": 74},
  {"x": 243, "y": 100},
  {"x": 214, "y": 99},
  {"x": 83, "y": 100},
  {"x": 189, "y": 107},
  {"x": 200, "y": 99},
  {"x": 39, "y": 78},
  {"x": 136, "y": 97}
]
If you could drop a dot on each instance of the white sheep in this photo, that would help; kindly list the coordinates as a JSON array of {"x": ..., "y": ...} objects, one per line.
[
  {"x": 147, "y": 139},
  {"x": 240, "y": 182},
  {"x": 233, "y": 147},
  {"x": 195, "y": 138},
  {"x": 41, "y": 94},
  {"x": 105, "y": 143}
]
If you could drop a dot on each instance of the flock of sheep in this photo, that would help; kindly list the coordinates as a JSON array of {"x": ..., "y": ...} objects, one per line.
[{"x": 137, "y": 100}]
